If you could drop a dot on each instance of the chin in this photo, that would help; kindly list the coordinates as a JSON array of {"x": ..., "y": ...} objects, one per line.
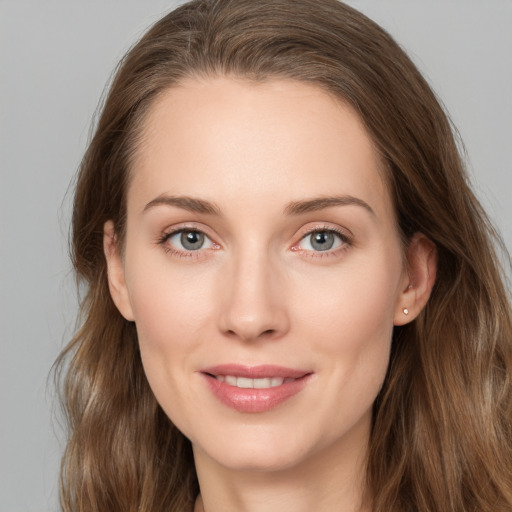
[
  {"x": 256, "y": 457},
  {"x": 264, "y": 448}
]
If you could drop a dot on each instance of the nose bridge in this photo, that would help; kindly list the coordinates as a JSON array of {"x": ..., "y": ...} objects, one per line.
[{"x": 254, "y": 304}]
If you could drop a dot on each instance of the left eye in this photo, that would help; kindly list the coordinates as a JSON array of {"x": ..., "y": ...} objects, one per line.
[
  {"x": 323, "y": 240},
  {"x": 189, "y": 240}
]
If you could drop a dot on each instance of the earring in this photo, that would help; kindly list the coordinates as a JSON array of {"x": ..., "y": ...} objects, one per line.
[{"x": 406, "y": 311}]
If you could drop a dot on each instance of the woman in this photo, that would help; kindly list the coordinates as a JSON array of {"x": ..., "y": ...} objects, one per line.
[{"x": 293, "y": 298}]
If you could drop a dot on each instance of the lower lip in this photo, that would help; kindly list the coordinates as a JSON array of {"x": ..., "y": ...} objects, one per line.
[{"x": 255, "y": 400}]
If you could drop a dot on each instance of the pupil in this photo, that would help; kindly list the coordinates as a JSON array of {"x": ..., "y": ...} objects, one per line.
[
  {"x": 322, "y": 241},
  {"x": 192, "y": 240}
]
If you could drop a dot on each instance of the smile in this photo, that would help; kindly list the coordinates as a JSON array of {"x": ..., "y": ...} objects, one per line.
[
  {"x": 247, "y": 383},
  {"x": 254, "y": 389}
]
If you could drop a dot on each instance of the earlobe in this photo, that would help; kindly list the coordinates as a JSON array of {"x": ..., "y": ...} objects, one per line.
[
  {"x": 420, "y": 279},
  {"x": 115, "y": 272}
]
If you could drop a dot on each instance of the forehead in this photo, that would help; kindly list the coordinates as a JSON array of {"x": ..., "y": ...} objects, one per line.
[{"x": 234, "y": 138}]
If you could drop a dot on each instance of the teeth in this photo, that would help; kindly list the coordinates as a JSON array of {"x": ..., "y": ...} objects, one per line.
[
  {"x": 228, "y": 379},
  {"x": 244, "y": 382},
  {"x": 264, "y": 383}
]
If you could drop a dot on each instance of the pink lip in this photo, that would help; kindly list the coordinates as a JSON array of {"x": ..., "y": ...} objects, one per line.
[{"x": 255, "y": 400}]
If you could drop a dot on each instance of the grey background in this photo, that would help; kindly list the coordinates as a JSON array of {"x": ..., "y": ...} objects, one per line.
[{"x": 55, "y": 57}]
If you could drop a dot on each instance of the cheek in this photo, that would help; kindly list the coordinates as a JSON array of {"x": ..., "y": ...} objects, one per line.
[
  {"x": 171, "y": 312},
  {"x": 349, "y": 316},
  {"x": 171, "y": 309},
  {"x": 169, "y": 304},
  {"x": 354, "y": 301}
]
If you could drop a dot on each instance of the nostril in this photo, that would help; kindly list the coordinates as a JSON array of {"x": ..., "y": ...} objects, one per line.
[
  {"x": 267, "y": 333},
  {"x": 238, "y": 322}
]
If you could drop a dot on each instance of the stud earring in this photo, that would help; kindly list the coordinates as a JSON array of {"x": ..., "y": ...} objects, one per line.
[{"x": 406, "y": 311}]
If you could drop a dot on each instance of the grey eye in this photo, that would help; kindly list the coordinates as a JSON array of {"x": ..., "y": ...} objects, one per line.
[
  {"x": 192, "y": 240},
  {"x": 322, "y": 240},
  {"x": 189, "y": 240}
]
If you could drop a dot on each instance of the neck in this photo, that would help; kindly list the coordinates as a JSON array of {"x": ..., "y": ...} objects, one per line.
[{"x": 330, "y": 480}]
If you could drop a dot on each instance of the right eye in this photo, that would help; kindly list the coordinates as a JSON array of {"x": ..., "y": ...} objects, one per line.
[{"x": 188, "y": 240}]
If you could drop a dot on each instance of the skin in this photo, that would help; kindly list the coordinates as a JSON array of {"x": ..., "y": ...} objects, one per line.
[{"x": 258, "y": 291}]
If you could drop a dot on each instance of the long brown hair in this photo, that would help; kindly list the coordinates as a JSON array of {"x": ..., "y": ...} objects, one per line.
[{"x": 442, "y": 424}]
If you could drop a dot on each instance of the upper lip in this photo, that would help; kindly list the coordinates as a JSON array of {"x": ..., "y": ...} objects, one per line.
[{"x": 255, "y": 372}]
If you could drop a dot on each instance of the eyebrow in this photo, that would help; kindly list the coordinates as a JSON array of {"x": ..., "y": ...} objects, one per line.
[
  {"x": 196, "y": 205},
  {"x": 191, "y": 204},
  {"x": 320, "y": 203}
]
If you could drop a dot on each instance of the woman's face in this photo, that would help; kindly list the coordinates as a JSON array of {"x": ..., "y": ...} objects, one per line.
[{"x": 263, "y": 269}]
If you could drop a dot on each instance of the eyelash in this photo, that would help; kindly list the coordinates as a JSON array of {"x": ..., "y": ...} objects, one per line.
[
  {"x": 346, "y": 242},
  {"x": 164, "y": 238}
]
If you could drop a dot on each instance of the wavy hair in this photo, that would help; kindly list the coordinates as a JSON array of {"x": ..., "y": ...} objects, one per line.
[{"x": 442, "y": 425}]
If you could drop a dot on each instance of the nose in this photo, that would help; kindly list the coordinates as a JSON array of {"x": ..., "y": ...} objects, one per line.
[{"x": 253, "y": 300}]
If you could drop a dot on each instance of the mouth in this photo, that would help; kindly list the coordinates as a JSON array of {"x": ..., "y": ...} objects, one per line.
[
  {"x": 257, "y": 388},
  {"x": 248, "y": 383}
]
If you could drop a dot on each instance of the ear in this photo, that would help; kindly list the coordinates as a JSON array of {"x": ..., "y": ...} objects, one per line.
[
  {"x": 419, "y": 279},
  {"x": 115, "y": 272}
]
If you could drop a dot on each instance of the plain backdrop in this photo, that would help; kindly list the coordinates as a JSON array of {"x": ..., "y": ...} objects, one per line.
[{"x": 55, "y": 58}]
